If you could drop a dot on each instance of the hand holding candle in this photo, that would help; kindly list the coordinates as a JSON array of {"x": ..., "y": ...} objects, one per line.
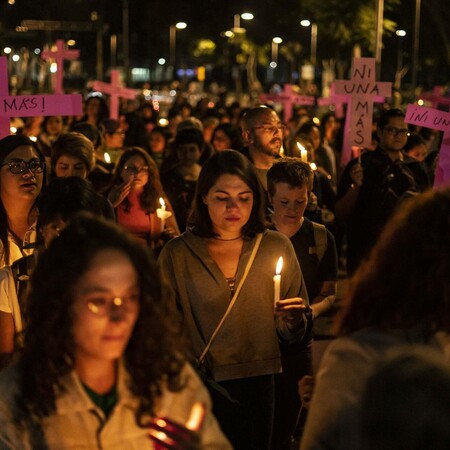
[
  {"x": 162, "y": 214},
  {"x": 277, "y": 281}
]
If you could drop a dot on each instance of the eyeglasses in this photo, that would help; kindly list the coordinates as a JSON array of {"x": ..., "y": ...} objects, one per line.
[
  {"x": 18, "y": 166},
  {"x": 103, "y": 307},
  {"x": 270, "y": 128},
  {"x": 393, "y": 131},
  {"x": 135, "y": 170}
]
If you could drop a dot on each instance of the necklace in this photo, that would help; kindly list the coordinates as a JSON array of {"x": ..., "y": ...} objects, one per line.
[{"x": 226, "y": 240}]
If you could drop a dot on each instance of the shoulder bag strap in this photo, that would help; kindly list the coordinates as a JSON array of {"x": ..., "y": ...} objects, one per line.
[{"x": 233, "y": 300}]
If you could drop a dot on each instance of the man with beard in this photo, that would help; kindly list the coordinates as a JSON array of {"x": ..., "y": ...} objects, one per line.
[{"x": 262, "y": 132}]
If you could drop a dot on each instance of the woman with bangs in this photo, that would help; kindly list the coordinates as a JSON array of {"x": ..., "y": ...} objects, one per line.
[
  {"x": 22, "y": 175},
  {"x": 100, "y": 360},
  {"x": 136, "y": 195},
  {"x": 221, "y": 273}
]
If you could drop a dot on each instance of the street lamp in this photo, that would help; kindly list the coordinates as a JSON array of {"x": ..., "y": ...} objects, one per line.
[
  {"x": 307, "y": 23},
  {"x": 244, "y": 16},
  {"x": 172, "y": 40},
  {"x": 275, "y": 42},
  {"x": 401, "y": 34}
]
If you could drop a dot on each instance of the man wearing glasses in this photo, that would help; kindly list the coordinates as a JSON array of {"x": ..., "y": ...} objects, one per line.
[
  {"x": 373, "y": 185},
  {"x": 262, "y": 132}
]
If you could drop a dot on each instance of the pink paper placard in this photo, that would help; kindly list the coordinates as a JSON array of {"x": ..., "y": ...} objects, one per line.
[
  {"x": 4, "y": 122},
  {"x": 437, "y": 120},
  {"x": 40, "y": 105},
  {"x": 288, "y": 98},
  {"x": 363, "y": 90}
]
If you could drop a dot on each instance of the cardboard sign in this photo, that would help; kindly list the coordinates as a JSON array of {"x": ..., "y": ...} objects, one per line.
[
  {"x": 362, "y": 90},
  {"x": 59, "y": 55},
  {"x": 32, "y": 105},
  {"x": 40, "y": 105},
  {"x": 288, "y": 98},
  {"x": 437, "y": 120},
  {"x": 115, "y": 91}
]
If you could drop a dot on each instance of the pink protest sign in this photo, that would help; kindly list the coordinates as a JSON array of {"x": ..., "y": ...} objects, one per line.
[
  {"x": 115, "y": 90},
  {"x": 362, "y": 90},
  {"x": 32, "y": 105},
  {"x": 4, "y": 122},
  {"x": 40, "y": 105},
  {"x": 59, "y": 55},
  {"x": 288, "y": 98},
  {"x": 438, "y": 120}
]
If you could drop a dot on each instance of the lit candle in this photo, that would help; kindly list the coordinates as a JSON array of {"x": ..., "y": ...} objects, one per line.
[
  {"x": 162, "y": 214},
  {"x": 277, "y": 281},
  {"x": 303, "y": 152},
  {"x": 313, "y": 166}
]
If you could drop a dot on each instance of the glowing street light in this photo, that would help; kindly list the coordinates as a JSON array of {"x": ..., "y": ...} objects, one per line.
[
  {"x": 275, "y": 42},
  {"x": 172, "y": 40},
  {"x": 244, "y": 16},
  {"x": 401, "y": 34},
  {"x": 307, "y": 23}
]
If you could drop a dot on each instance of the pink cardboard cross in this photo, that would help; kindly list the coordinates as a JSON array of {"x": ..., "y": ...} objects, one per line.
[
  {"x": 288, "y": 98},
  {"x": 59, "y": 56},
  {"x": 32, "y": 105},
  {"x": 362, "y": 90},
  {"x": 438, "y": 120},
  {"x": 115, "y": 90},
  {"x": 436, "y": 99}
]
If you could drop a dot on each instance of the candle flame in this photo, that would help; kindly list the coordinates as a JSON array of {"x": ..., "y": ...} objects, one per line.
[
  {"x": 107, "y": 157},
  {"x": 279, "y": 265},
  {"x": 313, "y": 166},
  {"x": 300, "y": 147},
  {"x": 161, "y": 202}
]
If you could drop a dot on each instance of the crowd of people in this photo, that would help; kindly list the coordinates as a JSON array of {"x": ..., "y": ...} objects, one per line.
[{"x": 141, "y": 303}]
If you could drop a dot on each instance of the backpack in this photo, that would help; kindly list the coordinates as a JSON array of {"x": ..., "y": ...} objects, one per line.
[
  {"x": 397, "y": 184},
  {"x": 320, "y": 239}
]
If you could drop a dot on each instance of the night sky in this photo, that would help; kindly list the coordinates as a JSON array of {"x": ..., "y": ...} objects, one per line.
[{"x": 150, "y": 21}]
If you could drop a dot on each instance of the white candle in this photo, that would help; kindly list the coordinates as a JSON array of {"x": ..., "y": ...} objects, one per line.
[
  {"x": 277, "y": 281},
  {"x": 303, "y": 152},
  {"x": 161, "y": 213}
]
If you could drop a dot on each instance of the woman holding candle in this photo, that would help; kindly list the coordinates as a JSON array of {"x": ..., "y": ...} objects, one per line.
[
  {"x": 205, "y": 267},
  {"x": 113, "y": 362},
  {"x": 135, "y": 194}
]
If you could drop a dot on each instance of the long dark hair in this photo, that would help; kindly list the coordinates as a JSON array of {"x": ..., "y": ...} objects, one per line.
[
  {"x": 405, "y": 281},
  {"x": 228, "y": 162},
  {"x": 152, "y": 356},
  {"x": 8, "y": 145},
  {"x": 149, "y": 197}
]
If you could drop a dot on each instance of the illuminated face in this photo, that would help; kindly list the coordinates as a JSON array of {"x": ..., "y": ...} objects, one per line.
[
  {"x": 136, "y": 169},
  {"x": 230, "y": 203},
  {"x": 54, "y": 125},
  {"x": 23, "y": 186},
  {"x": 188, "y": 154},
  {"x": 266, "y": 134},
  {"x": 157, "y": 142},
  {"x": 68, "y": 166},
  {"x": 221, "y": 141},
  {"x": 106, "y": 307},
  {"x": 418, "y": 152},
  {"x": 315, "y": 137},
  {"x": 115, "y": 139},
  {"x": 394, "y": 135},
  {"x": 289, "y": 203}
]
